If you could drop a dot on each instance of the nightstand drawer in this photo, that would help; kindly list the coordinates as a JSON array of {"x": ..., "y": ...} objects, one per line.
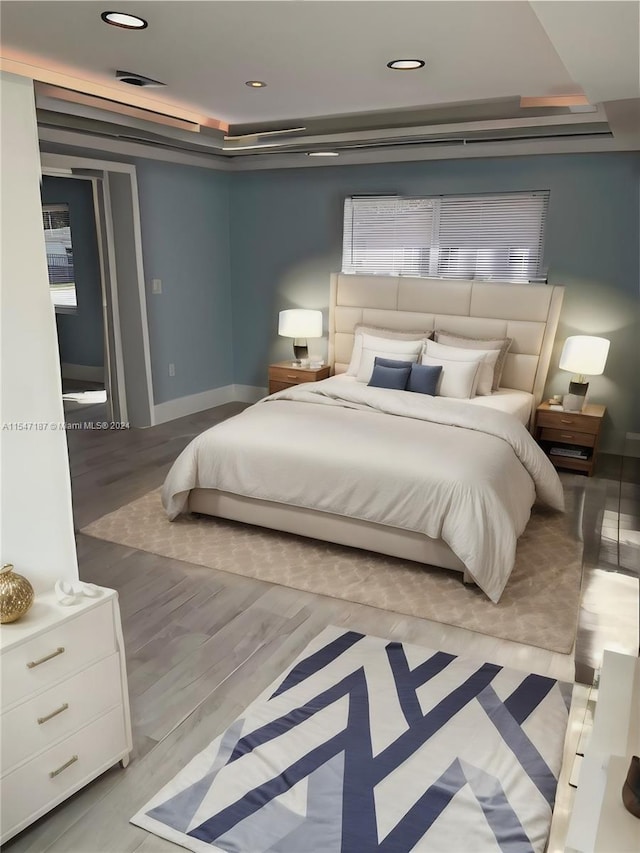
[
  {"x": 291, "y": 376},
  {"x": 562, "y": 436},
  {"x": 279, "y": 386},
  {"x": 574, "y": 422}
]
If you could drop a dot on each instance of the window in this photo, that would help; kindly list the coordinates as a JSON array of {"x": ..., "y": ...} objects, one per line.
[
  {"x": 57, "y": 236},
  {"x": 483, "y": 237}
]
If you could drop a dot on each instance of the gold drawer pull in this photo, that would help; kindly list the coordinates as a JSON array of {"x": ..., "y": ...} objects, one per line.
[
  {"x": 566, "y": 420},
  {"x": 289, "y": 376},
  {"x": 55, "y": 654},
  {"x": 54, "y": 773},
  {"x": 566, "y": 435},
  {"x": 53, "y": 714}
]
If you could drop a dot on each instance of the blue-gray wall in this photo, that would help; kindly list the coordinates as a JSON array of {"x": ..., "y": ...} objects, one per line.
[
  {"x": 80, "y": 335},
  {"x": 184, "y": 214},
  {"x": 286, "y": 238},
  {"x": 233, "y": 249}
]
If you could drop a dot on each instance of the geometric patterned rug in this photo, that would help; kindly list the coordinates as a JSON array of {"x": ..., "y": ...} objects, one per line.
[
  {"x": 539, "y": 605},
  {"x": 369, "y": 745}
]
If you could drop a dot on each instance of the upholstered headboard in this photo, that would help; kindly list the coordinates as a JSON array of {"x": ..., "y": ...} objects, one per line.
[{"x": 528, "y": 313}]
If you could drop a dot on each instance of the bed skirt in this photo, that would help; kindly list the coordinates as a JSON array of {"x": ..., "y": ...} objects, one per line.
[{"x": 405, "y": 544}]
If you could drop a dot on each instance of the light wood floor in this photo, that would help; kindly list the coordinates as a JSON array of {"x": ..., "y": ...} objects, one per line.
[{"x": 202, "y": 644}]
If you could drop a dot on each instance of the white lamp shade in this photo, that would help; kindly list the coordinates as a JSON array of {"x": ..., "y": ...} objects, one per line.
[
  {"x": 584, "y": 354},
  {"x": 300, "y": 323}
]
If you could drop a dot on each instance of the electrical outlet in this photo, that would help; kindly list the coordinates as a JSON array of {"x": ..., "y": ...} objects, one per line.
[
  {"x": 172, "y": 370},
  {"x": 156, "y": 285}
]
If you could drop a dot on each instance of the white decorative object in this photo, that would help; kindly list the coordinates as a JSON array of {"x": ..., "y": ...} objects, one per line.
[
  {"x": 69, "y": 593},
  {"x": 65, "y": 707}
]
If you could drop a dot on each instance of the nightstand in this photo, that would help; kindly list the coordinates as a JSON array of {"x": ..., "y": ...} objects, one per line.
[
  {"x": 284, "y": 375},
  {"x": 575, "y": 434}
]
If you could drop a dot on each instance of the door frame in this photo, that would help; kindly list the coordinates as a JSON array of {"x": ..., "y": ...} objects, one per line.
[{"x": 61, "y": 165}]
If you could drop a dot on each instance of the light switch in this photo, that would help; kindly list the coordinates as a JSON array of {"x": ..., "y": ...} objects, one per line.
[{"x": 156, "y": 285}]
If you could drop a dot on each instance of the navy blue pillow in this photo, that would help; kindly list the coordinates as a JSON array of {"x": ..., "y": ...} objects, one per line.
[
  {"x": 423, "y": 378},
  {"x": 390, "y": 377},
  {"x": 391, "y": 362}
]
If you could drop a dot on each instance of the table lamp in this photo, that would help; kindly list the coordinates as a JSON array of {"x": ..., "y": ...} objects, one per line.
[
  {"x": 300, "y": 324},
  {"x": 582, "y": 355}
]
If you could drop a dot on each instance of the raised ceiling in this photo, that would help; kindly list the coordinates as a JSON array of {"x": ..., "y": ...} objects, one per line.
[{"x": 325, "y": 66}]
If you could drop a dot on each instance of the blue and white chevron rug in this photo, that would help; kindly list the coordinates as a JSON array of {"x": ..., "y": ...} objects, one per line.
[{"x": 369, "y": 745}]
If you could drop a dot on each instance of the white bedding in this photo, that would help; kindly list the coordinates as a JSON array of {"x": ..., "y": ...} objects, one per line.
[
  {"x": 517, "y": 403},
  {"x": 465, "y": 474}
]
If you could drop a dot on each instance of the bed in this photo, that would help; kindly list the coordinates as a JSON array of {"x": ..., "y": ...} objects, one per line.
[{"x": 285, "y": 463}]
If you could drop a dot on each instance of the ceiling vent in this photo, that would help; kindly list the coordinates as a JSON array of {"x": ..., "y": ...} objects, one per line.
[{"x": 137, "y": 79}]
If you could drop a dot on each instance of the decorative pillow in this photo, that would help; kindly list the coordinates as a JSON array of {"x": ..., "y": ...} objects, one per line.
[
  {"x": 423, "y": 378},
  {"x": 488, "y": 360},
  {"x": 385, "y": 348},
  {"x": 451, "y": 339},
  {"x": 390, "y": 377},
  {"x": 391, "y": 362},
  {"x": 388, "y": 334},
  {"x": 458, "y": 378}
]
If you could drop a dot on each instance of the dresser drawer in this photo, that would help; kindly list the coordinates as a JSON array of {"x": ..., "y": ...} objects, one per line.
[
  {"x": 584, "y": 439},
  {"x": 30, "y": 790},
  {"x": 44, "y": 719},
  {"x": 56, "y": 654},
  {"x": 574, "y": 422}
]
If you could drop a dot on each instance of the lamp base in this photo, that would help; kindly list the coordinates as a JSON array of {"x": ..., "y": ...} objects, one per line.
[
  {"x": 574, "y": 401},
  {"x": 300, "y": 349}
]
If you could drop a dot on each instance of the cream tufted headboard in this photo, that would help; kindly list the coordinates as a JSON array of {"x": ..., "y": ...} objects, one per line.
[{"x": 528, "y": 313}]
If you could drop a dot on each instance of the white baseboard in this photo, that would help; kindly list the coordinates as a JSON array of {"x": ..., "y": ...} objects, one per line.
[
  {"x": 249, "y": 393},
  {"x": 189, "y": 405},
  {"x": 82, "y": 372}
]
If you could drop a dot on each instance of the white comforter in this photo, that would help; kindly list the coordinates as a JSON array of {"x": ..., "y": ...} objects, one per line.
[{"x": 468, "y": 475}]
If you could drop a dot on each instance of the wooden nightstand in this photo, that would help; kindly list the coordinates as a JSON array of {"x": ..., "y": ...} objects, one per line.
[
  {"x": 567, "y": 430},
  {"x": 284, "y": 375}
]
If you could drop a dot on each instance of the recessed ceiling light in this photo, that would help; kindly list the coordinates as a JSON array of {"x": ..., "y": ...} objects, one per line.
[
  {"x": 122, "y": 19},
  {"x": 255, "y": 84},
  {"x": 322, "y": 154},
  {"x": 406, "y": 64}
]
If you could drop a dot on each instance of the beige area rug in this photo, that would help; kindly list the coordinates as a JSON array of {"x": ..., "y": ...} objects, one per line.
[{"x": 539, "y": 606}]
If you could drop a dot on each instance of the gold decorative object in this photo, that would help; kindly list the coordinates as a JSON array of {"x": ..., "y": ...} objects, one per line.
[{"x": 16, "y": 595}]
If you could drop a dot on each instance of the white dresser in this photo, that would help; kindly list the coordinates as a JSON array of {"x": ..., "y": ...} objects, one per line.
[
  {"x": 599, "y": 823},
  {"x": 65, "y": 707}
]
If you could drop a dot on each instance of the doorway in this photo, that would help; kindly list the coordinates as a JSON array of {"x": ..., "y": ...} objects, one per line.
[
  {"x": 76, "y": 286},
  {"x": 125, "y": 379}
]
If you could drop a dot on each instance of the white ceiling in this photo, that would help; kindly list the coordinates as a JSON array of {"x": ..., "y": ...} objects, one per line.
[{"x": 329, "y": 58}]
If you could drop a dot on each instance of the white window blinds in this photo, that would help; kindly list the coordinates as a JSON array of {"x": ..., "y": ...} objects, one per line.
[
  {"x": 385, "y": 235},
  {"x": 485, "y": 237}
]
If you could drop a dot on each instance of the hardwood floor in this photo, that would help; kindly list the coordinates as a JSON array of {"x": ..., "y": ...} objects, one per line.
[{"x": 201, "y": 644}]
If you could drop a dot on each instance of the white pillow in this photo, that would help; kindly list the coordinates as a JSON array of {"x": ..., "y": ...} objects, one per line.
[
  {"x": 488, "y": 358},
  {"x": 451, "y": 339},
  {"x": 378, "y": 332},
  {"x": 384, "y": 348},
  {"x": 458, "y": 378}
]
